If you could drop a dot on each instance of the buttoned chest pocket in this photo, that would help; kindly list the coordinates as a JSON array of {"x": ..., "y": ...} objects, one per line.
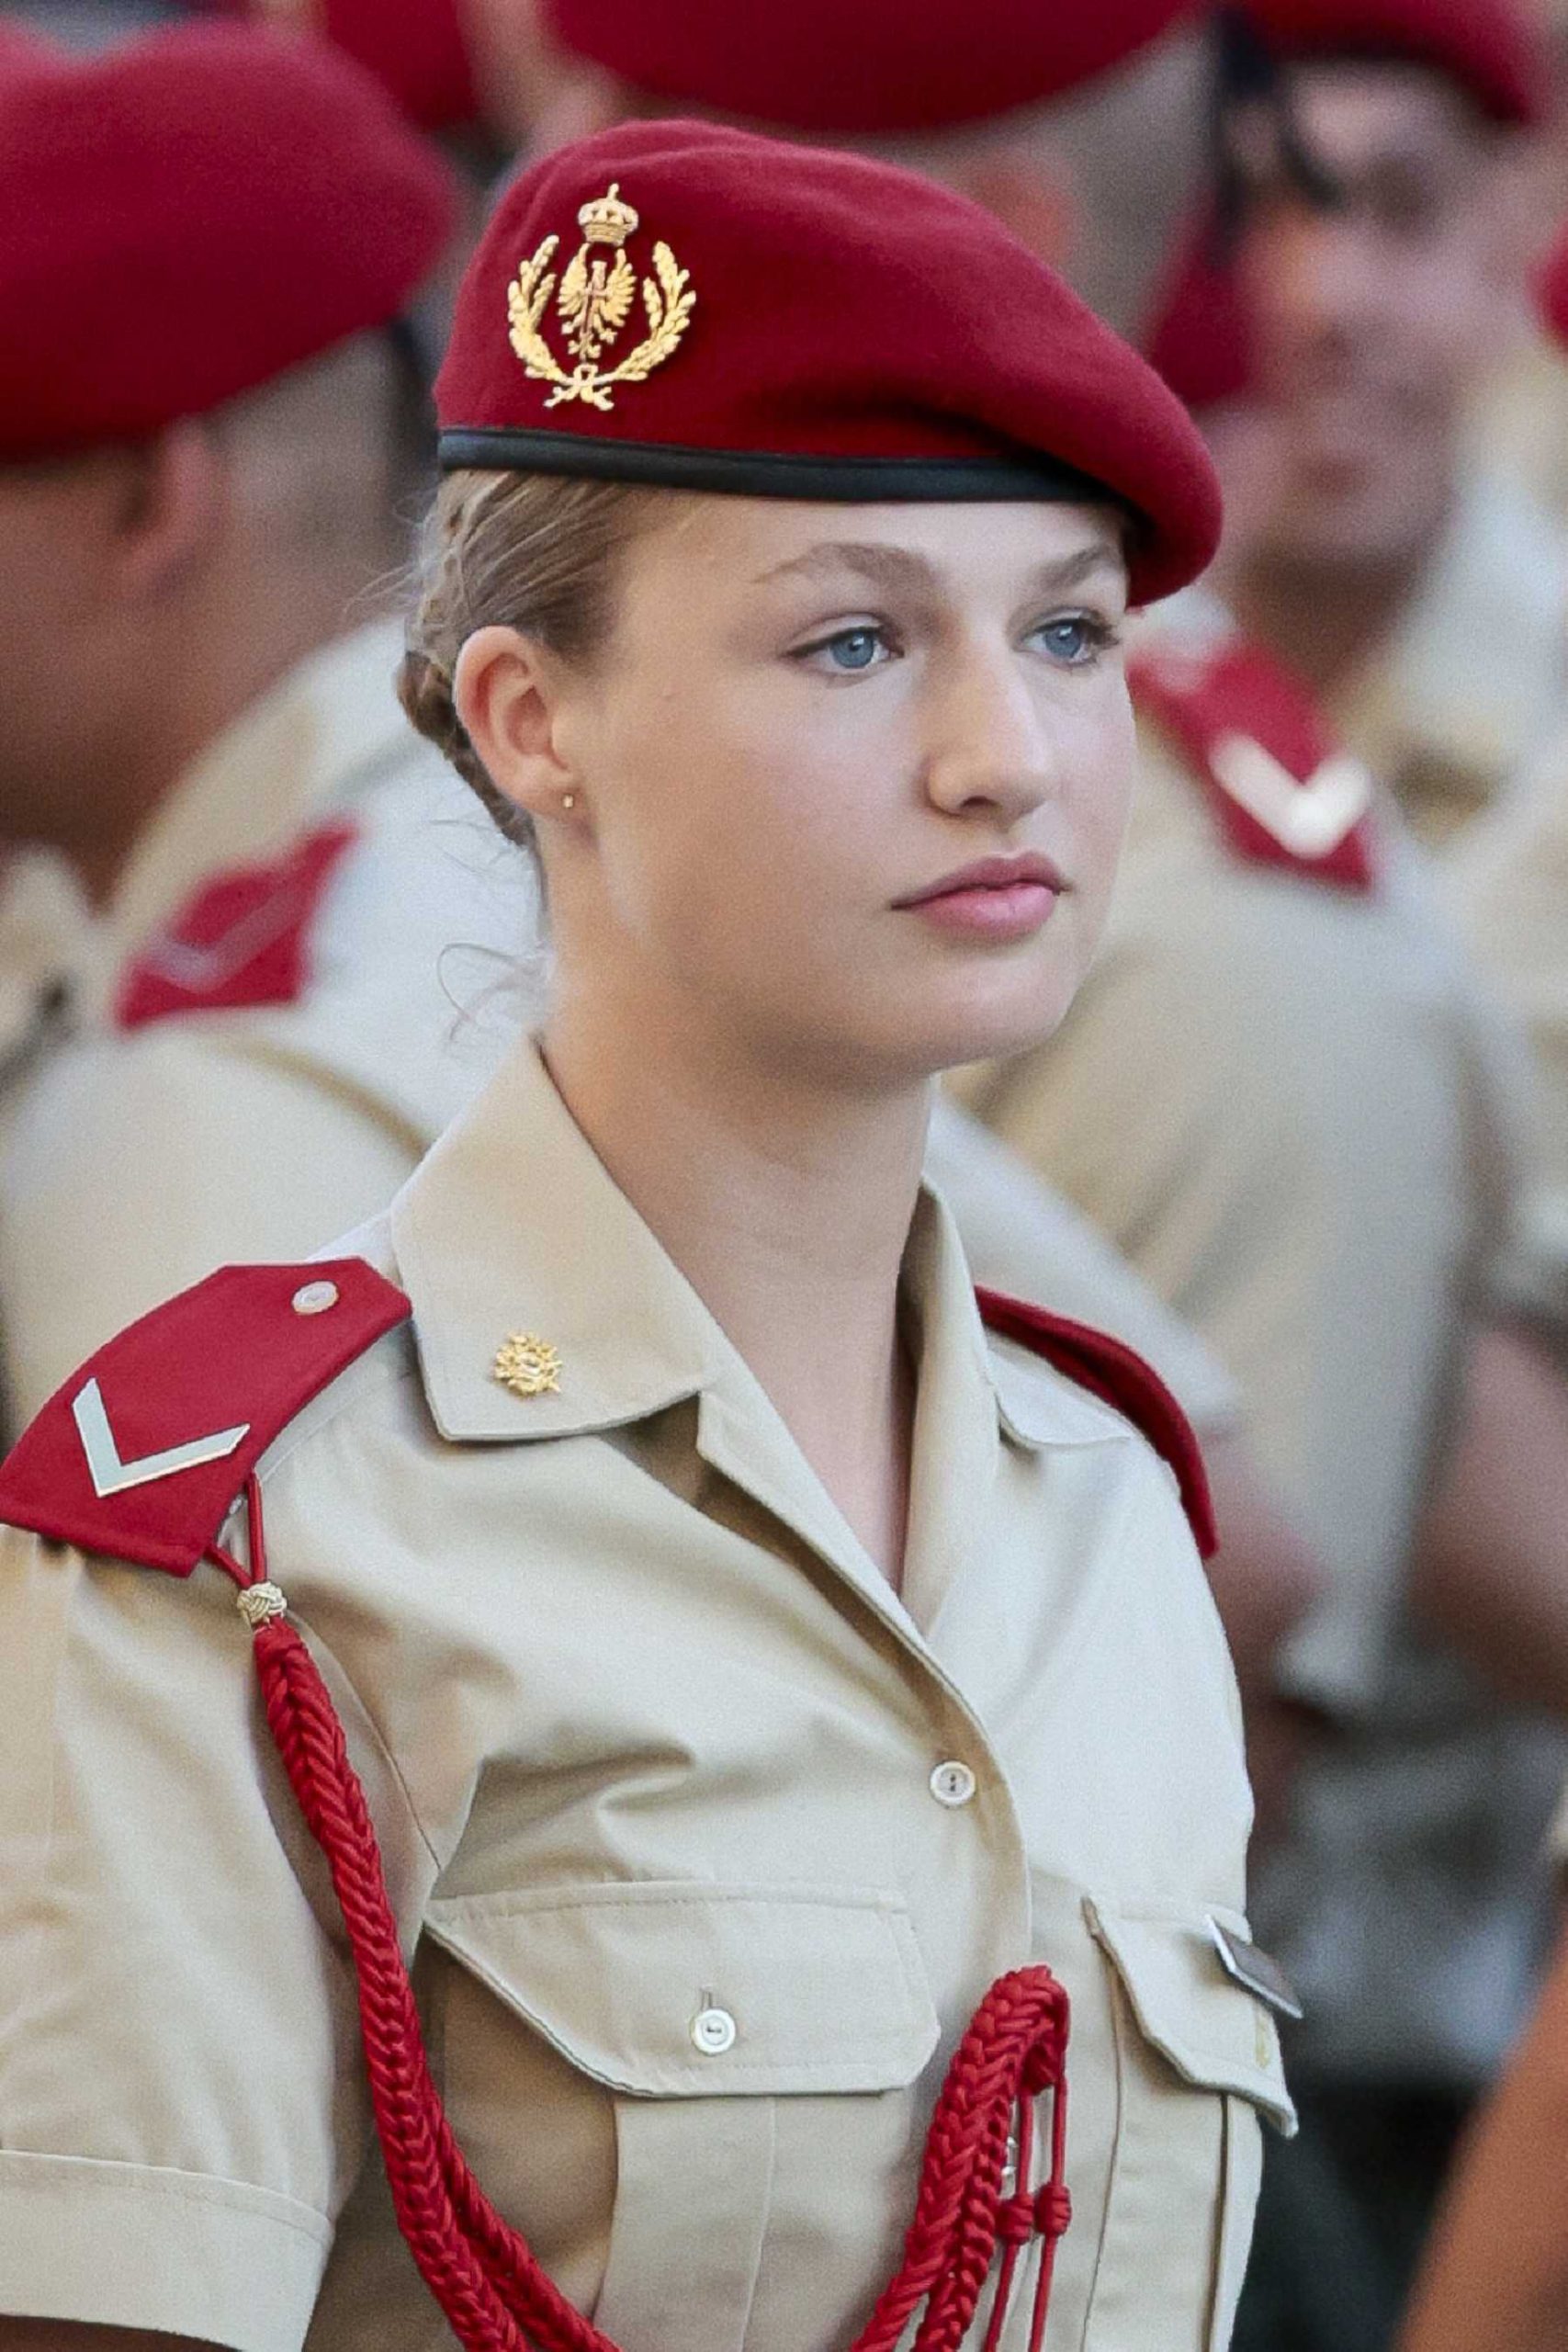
[
  {"x": 1198, "y": 2068},
  {"x": 634, "y": 2132}
]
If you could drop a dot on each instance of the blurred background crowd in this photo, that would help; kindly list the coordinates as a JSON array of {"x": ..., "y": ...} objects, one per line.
[{"x": 1304, "y": 1140}]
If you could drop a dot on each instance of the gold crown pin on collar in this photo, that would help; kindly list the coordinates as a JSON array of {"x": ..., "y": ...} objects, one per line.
[
  {"x": 528, "y": 1365},
  {"x": 595, "y": 303}
]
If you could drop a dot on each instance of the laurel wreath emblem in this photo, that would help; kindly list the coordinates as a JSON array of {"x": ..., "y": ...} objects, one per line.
[
  {"x": 594, "y": 305},
  {"x": 528, "y": 1365}
]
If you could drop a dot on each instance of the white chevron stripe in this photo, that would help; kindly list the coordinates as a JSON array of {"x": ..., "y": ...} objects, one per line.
[
  {"x": 1309, "y": 819},
  {"x": 110, "y": 1476}
]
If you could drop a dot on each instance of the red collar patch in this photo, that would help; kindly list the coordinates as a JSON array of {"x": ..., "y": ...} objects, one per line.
[
  {"x": 1284, "y": 792},
  {"x": 239, "y": 940},
  {"x": 142, "y": 1453},
  {"x": 1118, "y": 1376}
]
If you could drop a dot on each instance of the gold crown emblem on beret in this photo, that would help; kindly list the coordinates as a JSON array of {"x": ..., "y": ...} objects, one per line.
[
  {"x": 607, "y": 221},
  {"x": 595, "y": 303}
]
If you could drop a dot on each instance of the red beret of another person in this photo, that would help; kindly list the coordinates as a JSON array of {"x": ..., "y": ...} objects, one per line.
[
  {"x": 682, "y": 304},
  {"x": 189, "y": 215},
  {"x": 416, "y": 49},
  {"x": 20, "y": 45},
  {"x": 1200, "y": 340},
  {"x": 1492, "y": 49},
  {"x": 1551, "y": 288},
  {"x": 882, "y": 66}
]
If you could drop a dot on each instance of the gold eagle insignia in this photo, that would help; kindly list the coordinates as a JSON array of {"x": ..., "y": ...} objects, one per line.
[{"x": 595, "y": 303}]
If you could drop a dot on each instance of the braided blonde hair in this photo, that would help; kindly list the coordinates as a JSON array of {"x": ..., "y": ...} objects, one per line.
[{"x": 534, "y": 552}]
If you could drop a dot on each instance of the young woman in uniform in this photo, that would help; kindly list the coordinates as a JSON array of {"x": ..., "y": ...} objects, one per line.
[{"x": 771, "y": 1694}]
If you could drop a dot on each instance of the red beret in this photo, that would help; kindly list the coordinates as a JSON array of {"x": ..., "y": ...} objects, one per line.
[
  {"x": 678, "y": 303},
  {"x": 1200, "y": 340},
  {"x": 1552, "y": 290},
  {"x": 1492, "y": 48},
  {"x": 19, "y": 46},
  {"x": 415, "y": 49},
  {"x": 187, "y": 216},
  {"x": 881, "y": 66}
]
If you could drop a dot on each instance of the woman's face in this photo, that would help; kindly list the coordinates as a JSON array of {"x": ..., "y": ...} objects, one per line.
[{"x": 849, "y": 782}]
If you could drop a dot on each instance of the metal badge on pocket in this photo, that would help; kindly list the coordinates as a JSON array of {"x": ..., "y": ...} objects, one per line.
[{"x": 1252, "y": 1968}]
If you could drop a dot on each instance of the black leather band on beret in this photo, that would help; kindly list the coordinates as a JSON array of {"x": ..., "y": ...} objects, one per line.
[{"x": 762, "y": 473}]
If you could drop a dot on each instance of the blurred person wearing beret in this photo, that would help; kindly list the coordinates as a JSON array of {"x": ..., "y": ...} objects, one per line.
[
  {"x": 768, "y": 1695},
  {"x": 211, "y": 430},
  {"x": 1399, "y": 560}
]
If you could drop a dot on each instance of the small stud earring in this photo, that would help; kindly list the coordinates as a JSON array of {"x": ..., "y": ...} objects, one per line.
[{"x": 568, "y": 800}]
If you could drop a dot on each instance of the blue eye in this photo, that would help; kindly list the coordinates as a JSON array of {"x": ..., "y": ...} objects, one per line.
[
  {"x": 853, "y": 648},
  {"x": 1076, "y": 638},
  {"x": 847, "y": 651}
]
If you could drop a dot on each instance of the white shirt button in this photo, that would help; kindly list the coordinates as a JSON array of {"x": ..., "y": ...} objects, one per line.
[
  {"x": 713, "y": 2031},
  {"x": 314, "y": 1298},
  {"x": 952, "y": 1783}
]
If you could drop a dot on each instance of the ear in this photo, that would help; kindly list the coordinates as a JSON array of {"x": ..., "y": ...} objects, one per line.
[
  {"x": 174, "y": 497},
  {"x": 507, "y": 691}
]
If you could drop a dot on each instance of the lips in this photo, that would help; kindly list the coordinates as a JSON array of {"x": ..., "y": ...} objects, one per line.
[
  {"x": 997, "y": 874},
  {"x": 998, "y": 902}
]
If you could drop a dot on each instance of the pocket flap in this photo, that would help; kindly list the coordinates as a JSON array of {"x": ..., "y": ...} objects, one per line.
[
  {"x": 1214, "y": 2030},
  {"x": 669, "y": 1989}
]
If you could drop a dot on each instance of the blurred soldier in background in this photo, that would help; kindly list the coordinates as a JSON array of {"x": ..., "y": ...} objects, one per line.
[
  {"x": 1415, "y": 584},
  {"x": 204, "y": 440}
]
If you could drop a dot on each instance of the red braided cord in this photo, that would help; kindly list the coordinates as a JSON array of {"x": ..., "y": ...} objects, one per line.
[{"x": 494, "y": 2292}]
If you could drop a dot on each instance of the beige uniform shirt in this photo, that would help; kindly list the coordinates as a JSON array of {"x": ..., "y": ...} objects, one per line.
[
  {"x": 647, "y": 1736},
  {"x": 1474, "y": 677},
  {"x": 144, "y": 1158},
  {"x": 1289, "y": 1105},
  {"x": 322, "y": 737},
  {"x": 1522, "y": 421}
]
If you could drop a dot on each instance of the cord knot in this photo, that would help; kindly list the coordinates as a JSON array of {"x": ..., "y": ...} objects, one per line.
[
  {"x": 259, "y": 1604},
  {"x": 1053, "y": 2209}
]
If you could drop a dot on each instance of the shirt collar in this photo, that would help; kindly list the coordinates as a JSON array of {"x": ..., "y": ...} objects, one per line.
[
  {"x": 329, "y": 722},
  {"x": 512, "y": 1225}
]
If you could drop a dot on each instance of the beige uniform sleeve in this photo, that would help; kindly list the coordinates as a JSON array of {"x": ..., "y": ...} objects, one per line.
[
  {"x": 181, "y": 2111},
  {"x": 141, "y": 1163},
  {"x": 1213, "y": 1102}
]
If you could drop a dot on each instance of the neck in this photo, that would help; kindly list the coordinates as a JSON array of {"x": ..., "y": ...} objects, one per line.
[
  {"x": 786, "y": 1204},
  {"x": 1323, "y": 619},
  {"x": 212, "y": 665}
]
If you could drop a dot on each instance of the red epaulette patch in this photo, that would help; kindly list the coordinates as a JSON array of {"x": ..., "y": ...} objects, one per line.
[
  {"x": 239, "y": 940},
  {"x": 142, "y": 1453},
  {"x": 1284, "y": 793},
  {"x": 1118, "y": 1376}
]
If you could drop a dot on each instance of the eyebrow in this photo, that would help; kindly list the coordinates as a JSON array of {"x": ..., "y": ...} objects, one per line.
[{"x": 895, "y": 569}]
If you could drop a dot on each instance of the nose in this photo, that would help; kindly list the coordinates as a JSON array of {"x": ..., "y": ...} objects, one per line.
[
  {"x": 1326, "y": 280},
  {"x": 991, "y": 748}
]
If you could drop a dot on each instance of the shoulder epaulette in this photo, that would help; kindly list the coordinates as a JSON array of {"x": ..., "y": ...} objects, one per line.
[
  {"x": 1283, "y": 791},
  {"x": 142, "y": 1452},
  {"x": 1119, "y": 1376},
  {"x": 240, "y": 938}
]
